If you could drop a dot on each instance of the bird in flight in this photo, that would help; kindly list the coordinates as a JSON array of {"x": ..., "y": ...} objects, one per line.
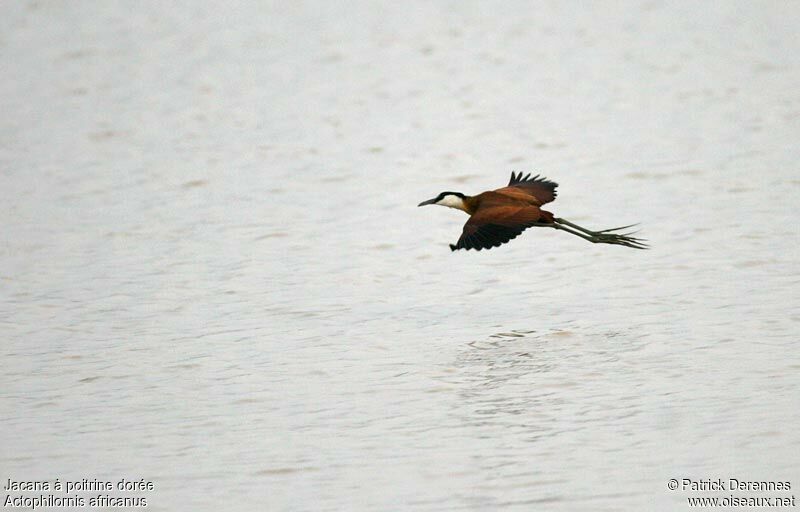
[{"x": 498, "y": 216}]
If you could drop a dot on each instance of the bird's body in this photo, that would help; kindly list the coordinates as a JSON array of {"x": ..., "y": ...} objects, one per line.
[{"x": 498, "y": 216}]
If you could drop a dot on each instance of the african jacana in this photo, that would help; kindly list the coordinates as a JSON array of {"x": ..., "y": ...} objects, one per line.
[{"x": 498, "y": 216}]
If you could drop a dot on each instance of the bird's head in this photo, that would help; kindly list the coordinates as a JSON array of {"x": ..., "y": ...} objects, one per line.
[{"x": 449, "y": 199}]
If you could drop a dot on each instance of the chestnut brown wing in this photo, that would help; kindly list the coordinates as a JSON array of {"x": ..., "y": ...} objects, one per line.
[
  {"x": 542, "y": 189},
  {"x": 493, "y": 226}
]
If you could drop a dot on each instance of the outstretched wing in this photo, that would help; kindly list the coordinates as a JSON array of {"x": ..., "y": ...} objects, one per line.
[
  {"x": 542, "y": 189},
  {"x": 494, "y": 226}
]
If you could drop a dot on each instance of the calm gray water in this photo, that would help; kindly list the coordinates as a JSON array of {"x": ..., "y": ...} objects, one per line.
[{"x": 214, "y": 276}]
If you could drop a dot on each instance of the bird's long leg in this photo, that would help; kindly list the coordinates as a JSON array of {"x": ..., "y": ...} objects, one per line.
[
  {"x": 598, "y": 237},
  {"x": 576, "y": 233},
  {"x": 589, "y": 231}
]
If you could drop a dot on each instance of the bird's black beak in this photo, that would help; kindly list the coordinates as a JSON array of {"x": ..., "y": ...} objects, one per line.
[{"x": 429, "y": 201}]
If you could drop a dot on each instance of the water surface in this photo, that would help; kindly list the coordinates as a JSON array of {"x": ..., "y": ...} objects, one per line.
[{"x": 213, "y": 273}]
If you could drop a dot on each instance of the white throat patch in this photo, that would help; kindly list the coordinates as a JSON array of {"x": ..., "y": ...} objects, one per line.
[{"x": 452, "y": 202}]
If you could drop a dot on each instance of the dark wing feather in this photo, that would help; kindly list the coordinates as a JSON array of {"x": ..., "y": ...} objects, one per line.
[
  {"x": 541, "y": 188},
  {"x": 486, "y": 237},
  {"x": 492, "y": 227}
]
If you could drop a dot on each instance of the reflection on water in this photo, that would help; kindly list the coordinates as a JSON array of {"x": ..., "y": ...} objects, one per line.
[{"x": 213, "y": 273}]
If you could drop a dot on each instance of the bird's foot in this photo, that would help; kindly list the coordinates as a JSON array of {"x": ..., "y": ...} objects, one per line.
[{"x": 606, "y": 237}]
